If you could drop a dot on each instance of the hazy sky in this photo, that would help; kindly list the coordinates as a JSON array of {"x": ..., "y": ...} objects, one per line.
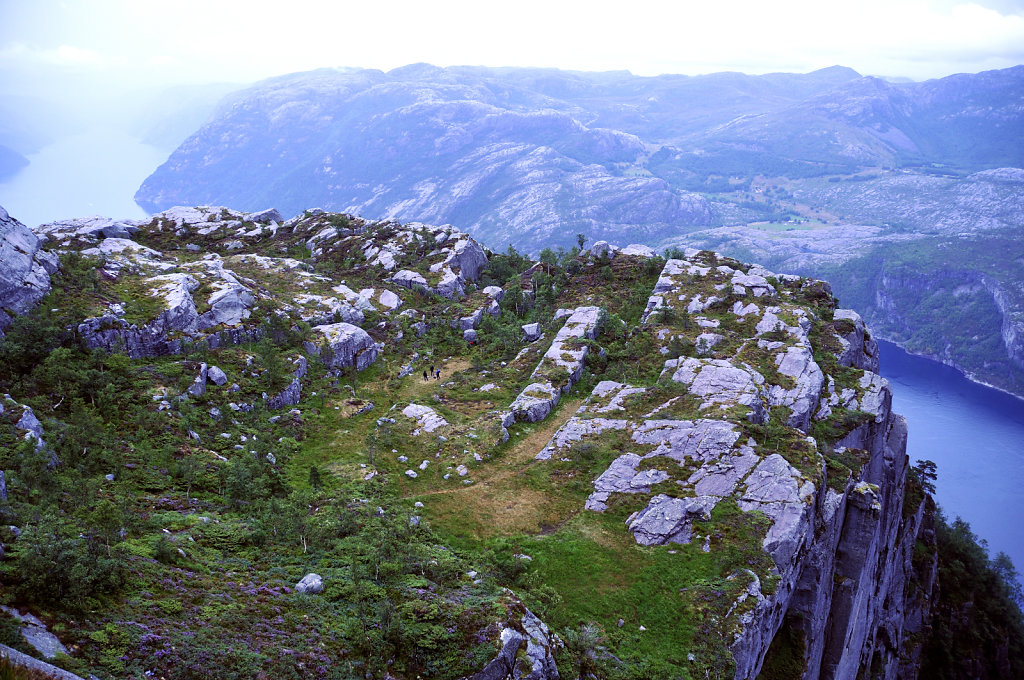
[{"x": 153, "y": 42}]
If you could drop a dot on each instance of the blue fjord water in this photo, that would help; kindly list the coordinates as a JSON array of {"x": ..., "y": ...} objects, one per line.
[
  {"x": 976, "y": 436},
  {"x": 95, "y": 172}
]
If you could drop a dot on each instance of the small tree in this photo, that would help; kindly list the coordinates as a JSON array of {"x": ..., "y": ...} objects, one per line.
[
  {"x": 926, "y": 474},
  {"x": 585, "y": 646},
  {"x": 580, "y": 240}
]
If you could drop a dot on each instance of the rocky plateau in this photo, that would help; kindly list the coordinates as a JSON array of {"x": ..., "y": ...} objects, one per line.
[{"x": 719, "y": 422}]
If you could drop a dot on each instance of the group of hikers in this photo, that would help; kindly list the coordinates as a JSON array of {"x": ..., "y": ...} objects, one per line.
[{"x": 435, "y": 374}]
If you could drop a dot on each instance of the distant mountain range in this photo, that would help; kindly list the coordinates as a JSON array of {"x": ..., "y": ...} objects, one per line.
[
  {"x": 532, "y": 156},
  {"x": 10, "y": 162},
  {"x": 525, "y": 156}
]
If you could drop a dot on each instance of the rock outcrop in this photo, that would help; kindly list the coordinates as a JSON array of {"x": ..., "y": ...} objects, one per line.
[
  {"x": 344, "y": 345},
  {"x": 24, "y": 269},
  {"x": 560, "y": 367},
  {"x": 527, "y": 650}
]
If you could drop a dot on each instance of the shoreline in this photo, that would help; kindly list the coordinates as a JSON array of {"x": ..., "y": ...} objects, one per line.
[{"x": 969, "y": 376}]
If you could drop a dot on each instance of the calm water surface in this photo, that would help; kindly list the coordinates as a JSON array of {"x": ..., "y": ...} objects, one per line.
[
  {"x": 92, "y": 173},
  {"x": 976, "y": 436}
]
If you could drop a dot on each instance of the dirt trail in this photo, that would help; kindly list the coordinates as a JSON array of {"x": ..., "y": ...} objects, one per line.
[{"x": 519, "y": 456}]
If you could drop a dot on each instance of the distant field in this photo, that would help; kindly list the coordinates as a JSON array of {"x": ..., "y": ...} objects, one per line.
[{"x": 786, "y": 226}]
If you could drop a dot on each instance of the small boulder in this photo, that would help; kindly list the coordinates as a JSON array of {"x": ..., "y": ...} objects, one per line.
[
  {"x": 216, "y": 376},
  {"x": 390, "y": 300},
  {"x": 531, "y": 332},
  {"x": 409, "y": 279},
  {"x": 311, "y": 584}
]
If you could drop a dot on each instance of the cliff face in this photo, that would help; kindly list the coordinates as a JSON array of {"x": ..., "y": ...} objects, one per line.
[
  {"x": 704, "y": 444},
  {"x": 856, "y": 597},
  {"x": 964, "y": 318}
]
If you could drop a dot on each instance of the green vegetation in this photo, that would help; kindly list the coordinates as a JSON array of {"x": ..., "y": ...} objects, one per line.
[
  {"x": 165, "y": 532},
  {"x": 977, "y": 626}
]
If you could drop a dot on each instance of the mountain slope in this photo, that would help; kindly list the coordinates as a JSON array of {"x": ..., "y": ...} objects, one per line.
[
  {"x": 966, "y": 122},
  {"x": 513, "y": 154}
]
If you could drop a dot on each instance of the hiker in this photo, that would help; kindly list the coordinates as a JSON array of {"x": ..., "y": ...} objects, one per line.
[
  {"x": 431, "y": 369},
  {"x": 439, "y": 374},
  {"x": 424, "y": 376}
]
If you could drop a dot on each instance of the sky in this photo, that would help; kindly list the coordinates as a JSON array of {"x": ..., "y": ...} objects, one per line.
[
  {"x": 72, "y": 65},
  {"x": 147, "y": 43}
]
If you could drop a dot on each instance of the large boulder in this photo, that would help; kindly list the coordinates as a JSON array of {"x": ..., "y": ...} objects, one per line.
[
  {"x": 531, "y": 332},
  {"x": 342, "y": 345},
  {"x": 228, "y": 306},
  {"x": 638, "y": 250},
  {"x": 603, "y": 249},
  {"x": 24, "y": 269},
  {"x": 216, "y": 375},
  {"x": 450, "y": 286},
  {"x": 469, "y": 257}
]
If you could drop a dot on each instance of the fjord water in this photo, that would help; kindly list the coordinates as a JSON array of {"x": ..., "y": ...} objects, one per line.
[
  {"x": 976, "y": 436},
  {"x": 89, "y": 173}
]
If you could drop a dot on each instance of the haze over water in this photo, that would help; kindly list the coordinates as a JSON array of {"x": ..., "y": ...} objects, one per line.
[
  {"x": 976, "y": 436},
  {"x": 95, "y": 172}
]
